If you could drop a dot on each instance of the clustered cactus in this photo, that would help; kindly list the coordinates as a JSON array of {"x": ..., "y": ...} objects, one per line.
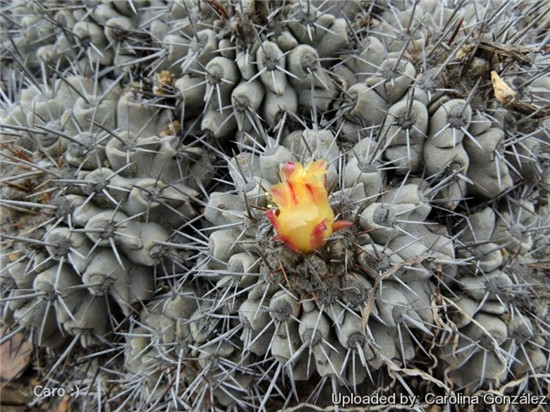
[{"x": 143, "y": 146}]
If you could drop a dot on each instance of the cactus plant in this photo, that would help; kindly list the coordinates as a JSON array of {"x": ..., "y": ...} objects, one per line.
[{"x": 171, "y": 232}]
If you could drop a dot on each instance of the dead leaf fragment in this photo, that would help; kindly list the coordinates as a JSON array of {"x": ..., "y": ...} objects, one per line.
[
  {"x": 15, "y": 355},
  {"x": 64, "y": 405},
  {"x": 507, "y": 97},
  {"x": 504, "y": 93}
]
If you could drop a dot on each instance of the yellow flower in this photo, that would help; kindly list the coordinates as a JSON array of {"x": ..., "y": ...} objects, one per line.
[{"x": 304, "y": 218}]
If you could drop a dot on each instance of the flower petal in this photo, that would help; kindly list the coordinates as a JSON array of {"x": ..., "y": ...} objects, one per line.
[
  {"x": 288, "y": 169},
  {"x": 272, "y": 217},
  {"x": 341, "y": 224},
  {"x": 282, "y": 196},
  {"x": 318, "y": 233}
]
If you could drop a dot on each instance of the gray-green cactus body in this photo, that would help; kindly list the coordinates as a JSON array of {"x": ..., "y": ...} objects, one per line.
[{"x": 140, "y": 141}]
